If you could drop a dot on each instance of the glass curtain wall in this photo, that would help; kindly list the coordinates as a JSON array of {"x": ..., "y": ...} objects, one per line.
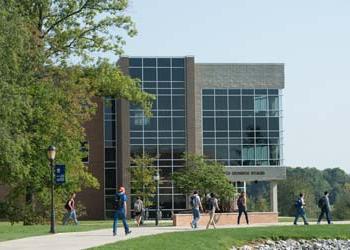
[
  {"x": 163, "y": 135},
  {"x": 242, "y": 127},
  {"x": 110, "y": 154}
]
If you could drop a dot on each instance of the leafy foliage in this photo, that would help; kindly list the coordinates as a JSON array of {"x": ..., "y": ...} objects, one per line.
[
  {"x": 44, "y": 101},
  {"x": 203, "y": 176},
  {"x": 142, "y": 182}
]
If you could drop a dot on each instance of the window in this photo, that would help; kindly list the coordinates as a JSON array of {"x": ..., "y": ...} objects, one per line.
[{"x": 84, "y": 148}]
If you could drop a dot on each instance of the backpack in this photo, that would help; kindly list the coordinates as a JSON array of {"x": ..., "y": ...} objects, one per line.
[
  {"x": 321, "y": 203},
  {"x": 240, "y": 202},
  {"x": 298, "y": 203},
  {"x": 118, "y": 202},
  {"x": 210, "y": 204},
  {"x": 193, "y": 201},
  {"x": 66, "y": 206},
  {"x": 138, "y": 206}
]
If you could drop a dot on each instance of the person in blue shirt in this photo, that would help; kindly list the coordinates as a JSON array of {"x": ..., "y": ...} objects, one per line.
[
  {"x": 120, "y": 211},
  {"x": 300, "y": 211}
]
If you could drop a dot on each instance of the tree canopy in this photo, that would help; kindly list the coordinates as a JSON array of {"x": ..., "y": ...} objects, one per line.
[
  {"x": 204, "y": 176},
  {"x": 49, "y": 76}
]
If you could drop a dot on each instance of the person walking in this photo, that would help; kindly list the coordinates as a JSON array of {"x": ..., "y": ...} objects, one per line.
[
  {"x": 138, "y": 207},
  {"x": 71, "y": 213},
  {"x": 324, "y": 205},
  {"x": 300, "y": 211},
  {"x": 242, "y": 207},
  {"x": 196, "y": 207},
  {"x": 212, "y": 207},
  {"x": 120, "y": 211}
]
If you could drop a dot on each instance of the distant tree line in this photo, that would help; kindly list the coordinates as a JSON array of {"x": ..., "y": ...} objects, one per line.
[{"x": 311, "y": 181}]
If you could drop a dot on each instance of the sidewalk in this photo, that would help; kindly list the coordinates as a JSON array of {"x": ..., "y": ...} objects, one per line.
[{"x": 83, "y": 240}]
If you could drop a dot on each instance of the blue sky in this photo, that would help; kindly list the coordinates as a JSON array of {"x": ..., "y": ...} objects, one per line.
[{"x": 311, "y": 37}]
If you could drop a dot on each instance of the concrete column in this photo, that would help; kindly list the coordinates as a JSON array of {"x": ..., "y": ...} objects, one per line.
[{"x": 273, "y": 196}]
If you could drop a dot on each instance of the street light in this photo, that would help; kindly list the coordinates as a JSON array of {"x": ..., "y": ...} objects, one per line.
[
  {"x": 156, "y": 178},
  {"x": 51, "y": 153}
]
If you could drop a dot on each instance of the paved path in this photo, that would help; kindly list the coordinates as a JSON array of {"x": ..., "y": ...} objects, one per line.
[{"x": 83, "y": 240}]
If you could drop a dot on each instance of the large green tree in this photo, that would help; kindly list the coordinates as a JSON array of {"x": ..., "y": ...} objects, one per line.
[
  {"x": 142, "y": 178},
  {"x": 48, "y": 80},
  {"x": 204, "y": 176}
]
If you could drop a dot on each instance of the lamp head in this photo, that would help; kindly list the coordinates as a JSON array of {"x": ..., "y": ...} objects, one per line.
[{"x": 51, "y": 153}]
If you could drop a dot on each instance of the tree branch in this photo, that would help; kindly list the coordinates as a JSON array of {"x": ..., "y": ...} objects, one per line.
[{"x": 64, "y": 18}]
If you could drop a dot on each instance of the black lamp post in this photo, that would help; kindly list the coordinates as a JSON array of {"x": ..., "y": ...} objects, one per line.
[
  {"x": 51, "y": 153},
  {"x": 156, "y": 178}
]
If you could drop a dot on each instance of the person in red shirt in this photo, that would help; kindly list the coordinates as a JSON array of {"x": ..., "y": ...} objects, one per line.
[{"x": 71, "y": 213}]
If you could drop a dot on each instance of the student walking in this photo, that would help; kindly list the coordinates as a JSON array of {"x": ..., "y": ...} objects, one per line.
[
  {"x": 324, "y": 205},
  {"x": 138, "y": 207},
  {"x": 300, "y": 211},
  {"x": 242, "y": 207},
  {"x": 120, "y": 211},
  {"x": 212, "y": 206},
  {"x": 196, "y": 207},
  {"x": 71, "y": 213}
]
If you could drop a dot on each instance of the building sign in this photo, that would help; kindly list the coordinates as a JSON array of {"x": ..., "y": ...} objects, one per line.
[
  {"x": 256, "y": 173},
  {"x": 60, "y": 173}
]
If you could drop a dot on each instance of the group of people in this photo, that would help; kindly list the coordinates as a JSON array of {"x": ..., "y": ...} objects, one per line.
[
  {"x": 323, "y": 204},
  {"x": 212, "y": 206}
]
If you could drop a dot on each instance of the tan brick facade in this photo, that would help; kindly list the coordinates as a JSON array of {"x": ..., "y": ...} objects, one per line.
[{"x": 226, "y": 218}]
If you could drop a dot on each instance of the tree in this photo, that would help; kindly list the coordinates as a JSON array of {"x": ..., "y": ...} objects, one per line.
[
  {"x": 142, "y": 182},
  {"x": 46, "y": 98},
  {"x": 203, "y": 176},
  {"x": 341, "y": 209}
]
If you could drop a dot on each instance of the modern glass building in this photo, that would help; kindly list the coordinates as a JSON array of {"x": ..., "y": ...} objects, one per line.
[{"x": 230, "y": 113}]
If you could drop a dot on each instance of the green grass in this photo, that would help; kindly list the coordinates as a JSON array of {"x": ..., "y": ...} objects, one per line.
[
  {"x": 17, "y": 231},
  {"x": 226, "y": 238}
]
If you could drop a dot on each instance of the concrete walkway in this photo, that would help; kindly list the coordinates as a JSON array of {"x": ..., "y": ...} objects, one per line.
[{"x": 83, "y": 240}]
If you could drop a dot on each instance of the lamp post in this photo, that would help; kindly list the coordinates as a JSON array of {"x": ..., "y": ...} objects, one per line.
[
  {"x": 156, "y": 178},
  {"x": 51, "y": 153}
]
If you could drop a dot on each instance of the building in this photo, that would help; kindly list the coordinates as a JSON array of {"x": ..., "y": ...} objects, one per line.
[{"x": 231, "y": 113}]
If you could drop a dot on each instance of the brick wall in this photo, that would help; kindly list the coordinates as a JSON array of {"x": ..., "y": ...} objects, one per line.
[{"x": 227, "y": 218}]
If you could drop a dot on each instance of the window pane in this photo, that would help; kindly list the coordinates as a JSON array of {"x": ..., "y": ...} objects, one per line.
[
  {"x": 163, "y": 62},
  {"x": 110, "y": 154},
  {"x": 178, "y": 123},
  {"x": 149, "y": 62},
  {"x": 273, "y": 123},
  {"x": 221, "y": 102},
  {"x": 208, "y": 102},
  {"x": 208, "y": 123},
  {"x": 163, "y": 74},
  {"x": 136, "y": 150},
  {"x": 110, "y": 178},
  {"x": 178, "y": 151},
  {"x": 209, "y": 151},
  {"x": 221, "y": 123},
  {"x": 248, "y": 102},
  {"x": 178, "y": 62},
  {"x": 235, "y": 123},
  {"x": 164, "y": 123},
  {"x": 135, "y": 73},
  {"x": 221, "y": 152},
  {"x": 178, "y": 74},
  {"x": 135, "y": 62},
  {"x": 151, "y": 150},
  {"x": 273, "y": 103},
  {"x": 235, "y": 102},
  {"x": 164, "y": 102},
  {"x": 235, "y": 152},
  {"x": 149, "y": 74},
  {"x": 248, "y": 123},
  {"x": 110, "y": 131},
  {"x": 261, "y": 123},
  {"x": 178, "y": 102}
]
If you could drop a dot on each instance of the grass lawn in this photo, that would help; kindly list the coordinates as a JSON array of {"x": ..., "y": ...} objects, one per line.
[
  {"x": 17, "y": 231},
  {"x": 226, "y": 238}
]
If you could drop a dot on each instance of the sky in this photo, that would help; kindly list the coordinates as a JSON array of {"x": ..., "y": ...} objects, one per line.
[{"x": 312, "y": 39}]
